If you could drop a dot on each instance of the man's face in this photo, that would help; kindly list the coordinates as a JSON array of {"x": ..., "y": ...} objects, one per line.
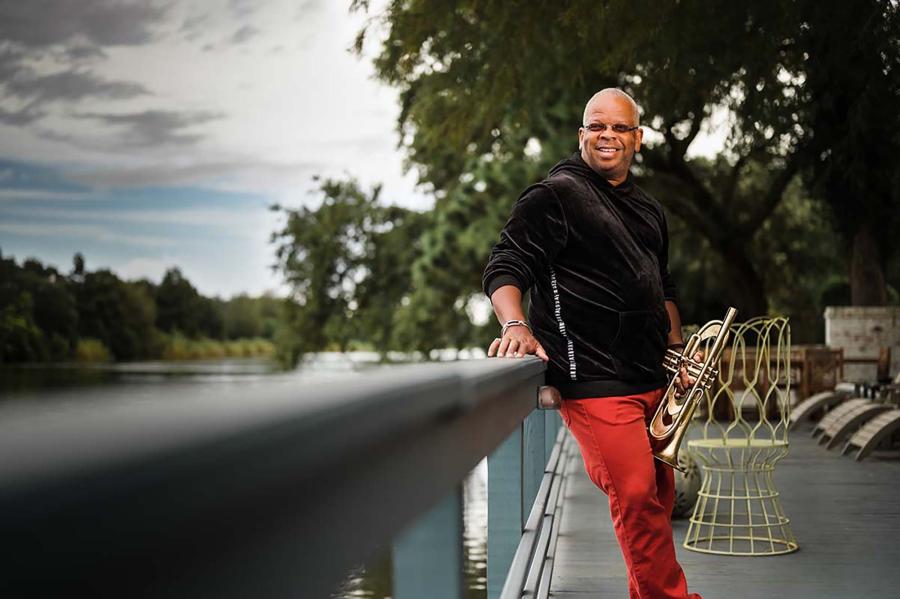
[{"x": 607, "y": 152}]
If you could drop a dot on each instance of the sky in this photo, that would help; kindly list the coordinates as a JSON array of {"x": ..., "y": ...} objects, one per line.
[
  {"x": 147, "y": 135},
  {"x": 151, "y": 134}
]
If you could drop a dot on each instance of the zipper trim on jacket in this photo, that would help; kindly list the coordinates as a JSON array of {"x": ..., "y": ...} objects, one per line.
[{"x": 557, "y": 310}]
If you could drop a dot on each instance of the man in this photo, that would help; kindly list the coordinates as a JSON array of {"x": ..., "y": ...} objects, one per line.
[{"x": 593, "y": 249}]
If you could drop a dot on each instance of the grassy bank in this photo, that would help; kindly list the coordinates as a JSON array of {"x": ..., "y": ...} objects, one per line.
[
  {"x": 178, "y": 347},
  {"x": 182, "y": 348}
]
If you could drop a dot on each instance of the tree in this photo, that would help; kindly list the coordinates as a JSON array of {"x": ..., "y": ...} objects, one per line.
[
  {"x": 242, "y": 317},
  {"x": 77, "y": 267},
  {"x": 347, "y": 262},
  {"x": 44, "y": 315},
  {"x": 118, "y": 314},
  {"x": 210, "y": 317},
  {"x": 851, "y": 66},
  {"x": 20, "y": 338},
  {"x": 177, "y": 304},
  {"x": 394, "y": 245},
  {"x": 480, "y": 81},
  {"x": 319, "y": 252},
  {"x": 39, "y": 314},
  {"x": 499, "y": 82}
]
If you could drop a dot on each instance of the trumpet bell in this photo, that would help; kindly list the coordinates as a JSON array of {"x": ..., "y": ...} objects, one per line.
[{"x": 673, "y": 415}]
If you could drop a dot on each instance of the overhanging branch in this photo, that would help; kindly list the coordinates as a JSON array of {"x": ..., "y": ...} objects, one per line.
[
  {"x": 773, "y": 196},
  {"x": 689, "y": 206}
]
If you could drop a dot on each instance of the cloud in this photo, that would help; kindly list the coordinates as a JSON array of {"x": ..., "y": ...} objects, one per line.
[
  {"x": 22, "y": 116},
  {"x": 257, "y": 174},
  {"x": 234, "y": 222},
  {"x": 26, "y": 84},
  {"x": 45, "y": 45},
  {"x": 243, "y": 34},
  {"x": 80, "y": 53},
  {"x": 306, "y": 8},
  {"x": 43, "y": 23},
  {"x": 16, "y": 194},
  {"x": 243, "y": 8},
  {"x": 91, "y": 232},
  {"x": 156, "y": 127},
  {"x": 192, "y": 27}
]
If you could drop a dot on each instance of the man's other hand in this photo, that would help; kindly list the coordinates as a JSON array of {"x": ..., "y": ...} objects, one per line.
[
  {"x": 683, "y": 381},
  {"x": 517, "y": 343}
]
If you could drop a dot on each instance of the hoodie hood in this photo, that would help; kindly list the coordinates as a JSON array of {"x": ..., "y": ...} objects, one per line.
[{"x": 576, "y": 165}]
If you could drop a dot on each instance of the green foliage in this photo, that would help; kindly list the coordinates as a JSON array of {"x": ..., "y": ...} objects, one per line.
[
  {"x": 801, "y": 251},
  {"x": 119, "y": 315},
  {"x": 179, "y": 347},
  {"x": 482, "y": 83},
  {"x": 242, "y": 318},
  {"x": 91, "y": 350},
  {"x": 181, "y": 308},
  {"x": 852, "y": 81},
  {"x": 348, "y": 264},
  {"x": 491, "y": 94},
  {"x": 20, "y": 338},
  {"x": 95, "y": 316}
]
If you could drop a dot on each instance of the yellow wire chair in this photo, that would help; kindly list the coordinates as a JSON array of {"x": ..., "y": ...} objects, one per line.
[{"x": 743, "y": 436}]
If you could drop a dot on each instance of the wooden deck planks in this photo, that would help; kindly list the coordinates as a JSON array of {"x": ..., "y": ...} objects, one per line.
[{"x": 845, "y": 515}]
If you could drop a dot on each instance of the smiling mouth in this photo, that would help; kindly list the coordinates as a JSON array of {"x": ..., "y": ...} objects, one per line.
[{"x": 606, "y": 151}]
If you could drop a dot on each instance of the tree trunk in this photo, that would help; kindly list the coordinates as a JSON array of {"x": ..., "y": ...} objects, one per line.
[
  {"x": 748, "y": 292},
  {"x": 867, "y": 286}
]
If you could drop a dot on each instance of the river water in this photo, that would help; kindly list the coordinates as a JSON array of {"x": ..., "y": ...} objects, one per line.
[{"x": 373, "y": 579}]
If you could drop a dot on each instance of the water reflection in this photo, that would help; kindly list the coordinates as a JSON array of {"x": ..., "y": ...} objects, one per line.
[{"x": 374, "y": 580}]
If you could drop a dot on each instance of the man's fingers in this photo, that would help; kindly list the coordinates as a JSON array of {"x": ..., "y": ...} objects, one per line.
[
  {"x": 684, "y": 379},
  {"x": 517, "y": 348}
]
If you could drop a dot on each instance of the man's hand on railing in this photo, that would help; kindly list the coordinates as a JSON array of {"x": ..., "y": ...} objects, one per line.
[{"x": 518, "y": 342}]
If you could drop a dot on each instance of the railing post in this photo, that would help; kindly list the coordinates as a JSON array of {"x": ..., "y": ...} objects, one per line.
[
  {"x": 552, "y": 422},
  {"x": 428, "y": 557},
  {"x": 505, "y": 515},
  {"x": 533, "y": 460}
]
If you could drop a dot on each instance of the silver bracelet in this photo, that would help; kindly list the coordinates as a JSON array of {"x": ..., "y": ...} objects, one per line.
[{"x": 514, "y": 323}]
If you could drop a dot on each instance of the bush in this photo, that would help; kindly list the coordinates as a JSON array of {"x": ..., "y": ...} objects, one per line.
[
  {"x": 179, "y": 347},
  {"x": 91, "y": 350}
]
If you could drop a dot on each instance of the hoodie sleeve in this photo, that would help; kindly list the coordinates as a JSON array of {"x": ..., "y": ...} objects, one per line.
[
  {"x": 535, "y": 232},
  {"x": 670, "y": 292}
]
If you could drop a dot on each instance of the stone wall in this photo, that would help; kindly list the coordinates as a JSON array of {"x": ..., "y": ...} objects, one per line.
[{"x": 860, "y": 331}]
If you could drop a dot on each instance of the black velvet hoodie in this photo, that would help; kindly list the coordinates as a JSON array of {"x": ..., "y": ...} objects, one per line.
[{"x": 595, "y": 258}]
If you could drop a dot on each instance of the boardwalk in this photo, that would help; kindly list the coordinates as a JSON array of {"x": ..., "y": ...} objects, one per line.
[{"x": 846, "y": 516}]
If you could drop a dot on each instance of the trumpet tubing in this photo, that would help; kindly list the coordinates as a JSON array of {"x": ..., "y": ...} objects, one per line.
[{"x": 673, "y": 415}]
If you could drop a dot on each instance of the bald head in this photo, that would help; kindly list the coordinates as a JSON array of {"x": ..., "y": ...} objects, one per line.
[
  {"x": 610, "y": 135},
  {"x": 614, "y": 92}
]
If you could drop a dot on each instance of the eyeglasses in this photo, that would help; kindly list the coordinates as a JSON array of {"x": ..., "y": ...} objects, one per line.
[{"x": 618, "y": 127}]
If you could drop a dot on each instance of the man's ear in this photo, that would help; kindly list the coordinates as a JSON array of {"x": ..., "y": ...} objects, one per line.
[{"x": 638, "y": 137}]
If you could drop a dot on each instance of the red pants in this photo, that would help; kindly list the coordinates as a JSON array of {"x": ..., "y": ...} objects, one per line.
[{"x": 612, "y": 435}]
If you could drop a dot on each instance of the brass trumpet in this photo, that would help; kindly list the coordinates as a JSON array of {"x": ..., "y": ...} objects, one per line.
[{"x": 673, "y": 416}]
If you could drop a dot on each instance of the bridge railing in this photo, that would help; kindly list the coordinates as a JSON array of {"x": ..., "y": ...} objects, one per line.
[{"x": 270, "y": 488}]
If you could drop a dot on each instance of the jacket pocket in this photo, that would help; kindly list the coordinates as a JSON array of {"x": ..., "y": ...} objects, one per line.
[{"x": 640, "y": 342}]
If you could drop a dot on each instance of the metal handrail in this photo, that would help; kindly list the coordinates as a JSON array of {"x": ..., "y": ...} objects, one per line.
[{"x": 264, "y": 489}]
